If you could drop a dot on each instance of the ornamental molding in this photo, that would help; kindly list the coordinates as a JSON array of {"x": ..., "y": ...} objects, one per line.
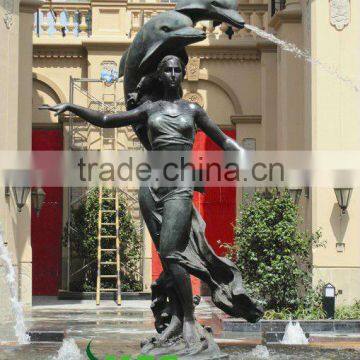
[
  {"x": 193, "y": 69},
  {"x": 339, "y": 13},
  {"x": 194, "y": 97},
  {"x": 238, "y": 55},
  {"x": 9, "y": 7},
  {"x": 246, "y": 119},
  {"x": 58, "y": 54}
]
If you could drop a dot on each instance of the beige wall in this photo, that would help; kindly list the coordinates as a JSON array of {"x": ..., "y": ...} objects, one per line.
[
  {"x": 336, "y": 126},
  {"x": 9, "y": 115},
  {"x": 15, "y": 114},
  {"x": 315, "y": 111}
]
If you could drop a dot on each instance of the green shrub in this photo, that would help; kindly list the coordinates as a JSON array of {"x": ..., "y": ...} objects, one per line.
[
  {"x": 84, "y": 242},
  {"x": 343, "y": 312},
  {"x": 348, "y": 312},
  {"x": 274, "y": 255}
]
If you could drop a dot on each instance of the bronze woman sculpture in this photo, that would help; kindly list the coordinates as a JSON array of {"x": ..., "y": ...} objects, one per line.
[{"x": 176, "y": 227}]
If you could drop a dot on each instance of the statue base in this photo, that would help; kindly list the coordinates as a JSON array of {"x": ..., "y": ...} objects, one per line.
[{"x": 205, "y": 349}]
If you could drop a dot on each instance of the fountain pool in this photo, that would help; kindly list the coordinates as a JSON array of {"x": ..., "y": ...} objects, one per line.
[
  {"x": 119, "y": 331},
  {"x": 69, "y": 350}
]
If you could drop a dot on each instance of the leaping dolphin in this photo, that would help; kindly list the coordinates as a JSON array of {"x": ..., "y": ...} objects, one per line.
[
  {"x": 165, "y": 34},
  {"x": 217, "y": 10}
]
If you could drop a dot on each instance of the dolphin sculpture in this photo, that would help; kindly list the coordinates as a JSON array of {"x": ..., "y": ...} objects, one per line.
[
  {"x": 217, "y": 10},
  {"x": 165, "y": 34}
]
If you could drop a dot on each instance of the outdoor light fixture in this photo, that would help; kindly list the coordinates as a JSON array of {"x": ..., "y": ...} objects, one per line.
[
  {"x": 20, "y": 195},
  {"x": 329, "y": 295},
  {"x": 295, "y": 194},
  {"x": 37, "y": 199},
  {"x": 343, "y": 196}
]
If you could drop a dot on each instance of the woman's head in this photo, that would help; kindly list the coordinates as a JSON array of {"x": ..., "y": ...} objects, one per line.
[{"x": 171, "y": 71}]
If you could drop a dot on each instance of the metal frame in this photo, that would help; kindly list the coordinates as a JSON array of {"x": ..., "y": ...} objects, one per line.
[{"x": 75, "y": 86}]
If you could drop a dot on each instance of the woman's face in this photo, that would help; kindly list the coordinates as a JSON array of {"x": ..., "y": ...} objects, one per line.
[{"x": 171, "y": 73}]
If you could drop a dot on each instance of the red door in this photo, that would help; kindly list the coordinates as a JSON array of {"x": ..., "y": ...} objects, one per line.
[
  {"x": 46, "y": 230},
  {"x": 218, "y": 204}
]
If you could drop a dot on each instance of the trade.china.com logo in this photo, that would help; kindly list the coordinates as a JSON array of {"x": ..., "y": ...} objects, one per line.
[{"x": 91, "y": 356}]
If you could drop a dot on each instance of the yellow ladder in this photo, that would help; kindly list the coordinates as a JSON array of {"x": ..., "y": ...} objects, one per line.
[
  {"x": 113, "y": 244},
  {"x": 108, "y": 204}
]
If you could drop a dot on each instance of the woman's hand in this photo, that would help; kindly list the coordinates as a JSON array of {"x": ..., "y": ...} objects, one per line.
[{"x": 59, "y": 108}]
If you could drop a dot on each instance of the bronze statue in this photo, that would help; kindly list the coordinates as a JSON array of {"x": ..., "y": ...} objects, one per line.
[
  {"x": 167, "y": 34},
  {"x": 175, "y": 225}
]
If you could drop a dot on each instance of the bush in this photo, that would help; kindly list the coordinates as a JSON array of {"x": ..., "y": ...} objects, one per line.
[
  {"x": 274, "y": 255},
  {"x": 310, "y": 309},
  {"x": 348, "y": 312},
  {"x": 84, "y": 242}
]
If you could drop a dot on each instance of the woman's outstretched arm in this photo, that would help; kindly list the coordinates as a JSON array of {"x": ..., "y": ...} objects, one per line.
[
  {"x": 213, "y": 131},
  {"x": 101, "y": 119}
]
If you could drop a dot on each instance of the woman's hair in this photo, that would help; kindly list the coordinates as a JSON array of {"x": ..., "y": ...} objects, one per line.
[
  {"x": 151, "y": 84},
  {"x": 164, "y": 60}
]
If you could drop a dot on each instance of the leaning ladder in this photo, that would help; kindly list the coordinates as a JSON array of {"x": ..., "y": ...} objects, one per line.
[
  {"x": 108, "y": 203},
  {"x": 113, "y": 244}
]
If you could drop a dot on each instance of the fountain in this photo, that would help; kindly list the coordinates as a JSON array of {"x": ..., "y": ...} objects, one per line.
[
  {"x": 20, "y": 329},
  {"x": 294, "y": 334},
  {"x": 260, "y": 352},
  {"x": 305, "y": 54},
  {"x": 68, "y": 351}
]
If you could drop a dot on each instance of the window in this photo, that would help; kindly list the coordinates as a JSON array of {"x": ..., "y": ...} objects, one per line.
[{"x": 277, "y": 5}]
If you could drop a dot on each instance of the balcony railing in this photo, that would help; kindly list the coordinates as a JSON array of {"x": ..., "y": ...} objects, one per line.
[
  {"x": 140, "y": 13},
  {"x": 73, "y": 19},
  {"x": 253, "y": 13},
  {"x": 62, "y": 19}
]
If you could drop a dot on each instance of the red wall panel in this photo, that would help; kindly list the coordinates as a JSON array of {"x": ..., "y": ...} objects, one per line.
[
  {"x": 217, "y": 206},
  {"x": 46, "y": 230}
]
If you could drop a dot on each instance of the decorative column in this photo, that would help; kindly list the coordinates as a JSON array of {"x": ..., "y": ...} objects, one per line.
[
  {"x": 71, "y": 25},
  {"x": 58, "y": 26},
  {"x": 83, "y": 26},
  {"x": 44, "y": 23}
]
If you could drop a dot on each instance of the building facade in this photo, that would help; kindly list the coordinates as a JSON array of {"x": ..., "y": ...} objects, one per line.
[
  {"x": 16, "y": 125},
  {"x": 261, "y": 95}
]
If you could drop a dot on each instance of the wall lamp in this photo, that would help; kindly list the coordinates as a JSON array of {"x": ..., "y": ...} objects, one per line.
[
  {"x": 21, "y": 194},
  {"x": 343, "y": 196},
  {"x": 37, "y": 199}
]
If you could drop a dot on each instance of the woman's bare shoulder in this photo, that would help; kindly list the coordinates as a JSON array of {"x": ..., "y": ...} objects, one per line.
[
  {"x": 147, "y": 106},
  {"x": 190, "y": 105}
]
